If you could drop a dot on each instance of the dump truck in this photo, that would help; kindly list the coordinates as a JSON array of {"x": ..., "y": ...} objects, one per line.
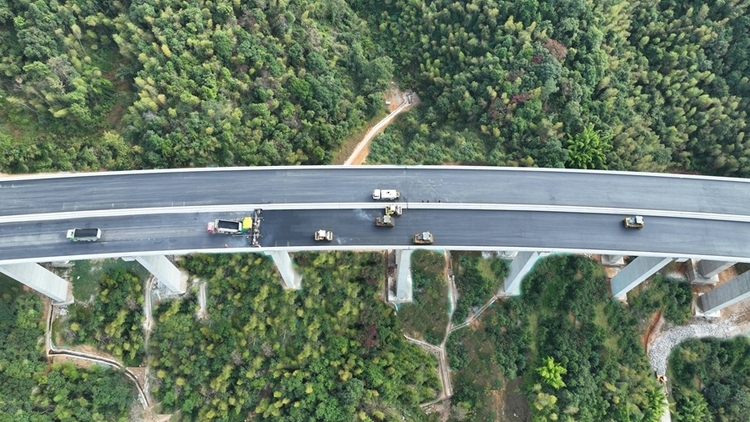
[
  {"x": 323, "y": 234},
  {"x": 393, "y": 209},
  {"x": 384, "y": 221},
  {"x": 230, "y": 226},
  {"x": 424, "y": 238},
  {"x": 385, "y": 194},
  {"x": 84, "y": 235},
  {"x": 634, "y": 222}
]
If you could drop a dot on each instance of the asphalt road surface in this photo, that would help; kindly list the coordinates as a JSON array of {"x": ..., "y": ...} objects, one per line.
[
  {"x": 261, "y": 186},
  {"x": 355, "y": 229}
]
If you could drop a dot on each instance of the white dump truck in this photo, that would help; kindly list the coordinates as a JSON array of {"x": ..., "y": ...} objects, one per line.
[
  {"x": 230, "y": 226},
  {"x": 385, "y": 194},
  {"x": 84, "y": 235}
]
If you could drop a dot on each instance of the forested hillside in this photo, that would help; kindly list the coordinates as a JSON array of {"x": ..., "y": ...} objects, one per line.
[
  {"x": 91, "y": 84},
  {"x": 330, "y": 352},
  {"x": 31, "y": 389},
  {"x": 634, "y": 85}
]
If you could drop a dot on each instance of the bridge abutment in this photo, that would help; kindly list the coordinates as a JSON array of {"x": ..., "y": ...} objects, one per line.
[
  {"x": 289, "y": 277},
  {"x": 636, "y": 273},
  {"x": 40, "y": 279},
  {"x": 165, "y": 271}
]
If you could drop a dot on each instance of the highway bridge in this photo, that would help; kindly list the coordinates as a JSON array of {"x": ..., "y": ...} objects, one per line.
[{"x": 149, "y": 214}]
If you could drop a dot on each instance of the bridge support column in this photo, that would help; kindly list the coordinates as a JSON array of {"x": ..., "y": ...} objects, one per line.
[
  {"x": 729, "y": 293},
  {"x": 164, "y": 271},
  {"x": 521, "y": 265},
  {"x": 40, "y": 279},
  {"x": 403, "y": 278},
  {"x": 706, "y": 271},
  {"x": 290, "y": 278},
  {"x": 613, "y": 260},
  {"x": 635, "y": 273}
]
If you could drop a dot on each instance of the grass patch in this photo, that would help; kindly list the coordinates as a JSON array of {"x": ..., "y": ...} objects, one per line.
[
  {"x": 85, "y": 275},
  {"x": 483, "y": 355},
  {"x": 350, "y": 142},
  {"x": 477, "y": 280},
  {"x": 427, "y": 316}
]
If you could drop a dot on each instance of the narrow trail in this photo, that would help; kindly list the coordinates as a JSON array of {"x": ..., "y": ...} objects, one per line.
[
  {"x": 52, "y": 351},
  {"x": 203, "y": 310},
  {"x": 356, "y": 157}
]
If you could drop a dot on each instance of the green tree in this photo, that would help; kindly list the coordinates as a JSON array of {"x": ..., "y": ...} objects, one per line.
[
  {"x": 552, "y": 372},
  {"x": 588, "y": 149}
]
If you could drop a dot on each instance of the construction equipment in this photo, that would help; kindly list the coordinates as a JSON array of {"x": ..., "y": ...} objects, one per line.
[
  {"x": 384, "y": 221},
  {"x": 230, "y": 226},
  {"x": 323, "y": 234},
  {"x": 393, "y": 209},
  {"x": 634, "y": 222},
  {"x": 424, "y": 238}
]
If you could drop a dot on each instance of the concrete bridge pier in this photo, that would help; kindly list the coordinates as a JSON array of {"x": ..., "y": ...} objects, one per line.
[
  {"x": 40, "y": 279},
  {"x": 705, "y": 271},
  {"x": 636, "y": 273},
  {"x": 521, "y": 265},
  {"x": 729, "y": 293},
  {"x": 613, "y": 260},
  {"x": 289, "y": 277},
  {"x": 403, "y": 278},
  {"x": 165, "y": 271}
]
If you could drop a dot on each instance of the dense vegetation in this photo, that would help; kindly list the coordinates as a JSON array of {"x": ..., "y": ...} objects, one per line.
[
  {"x": 477, "y": 280},
  {"x": 711, "y": 380},
  {"x": 427, "y": 316},
  {"x": 113, "y": 322},
  {"x": 33, "y": 390},
  {"x": 610, "y": 84},
  {"x": 88, "y": 84},
  {"x": 670, "y": 296},
  {"x": 574, "y": 345},
  {"x": 325, "y": 353}
]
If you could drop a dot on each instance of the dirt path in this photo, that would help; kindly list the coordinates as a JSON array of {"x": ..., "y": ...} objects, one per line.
[
  {"x": 94, "y": 357},
  {"x": 202, "y": 311},
  {"x": 359, "y": 155}
]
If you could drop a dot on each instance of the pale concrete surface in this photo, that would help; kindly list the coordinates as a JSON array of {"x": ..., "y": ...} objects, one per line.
[
  {"x": 403, "y": 278},
  {"x": 613, "y": 260},
  {"x": 636, "y": 273},
  {"x": 290, "y": 278},
  {"x": 521, "y": 265},
  {"x": 40, "y": 279},
  {"x": 729, "y": 293},
  {"x": 165, "y": 271}
]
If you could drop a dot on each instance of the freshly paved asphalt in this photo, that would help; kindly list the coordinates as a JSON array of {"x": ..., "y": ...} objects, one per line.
[
  {"x": 660, "y": 198},
  {"x": 355, "y": 229}
]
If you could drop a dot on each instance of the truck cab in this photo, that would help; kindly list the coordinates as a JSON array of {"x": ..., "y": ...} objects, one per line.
[{"x": 634, "y": 222}]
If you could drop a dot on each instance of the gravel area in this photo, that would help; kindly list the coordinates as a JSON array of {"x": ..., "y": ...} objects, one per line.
[{"x": 661, "y": 346}]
